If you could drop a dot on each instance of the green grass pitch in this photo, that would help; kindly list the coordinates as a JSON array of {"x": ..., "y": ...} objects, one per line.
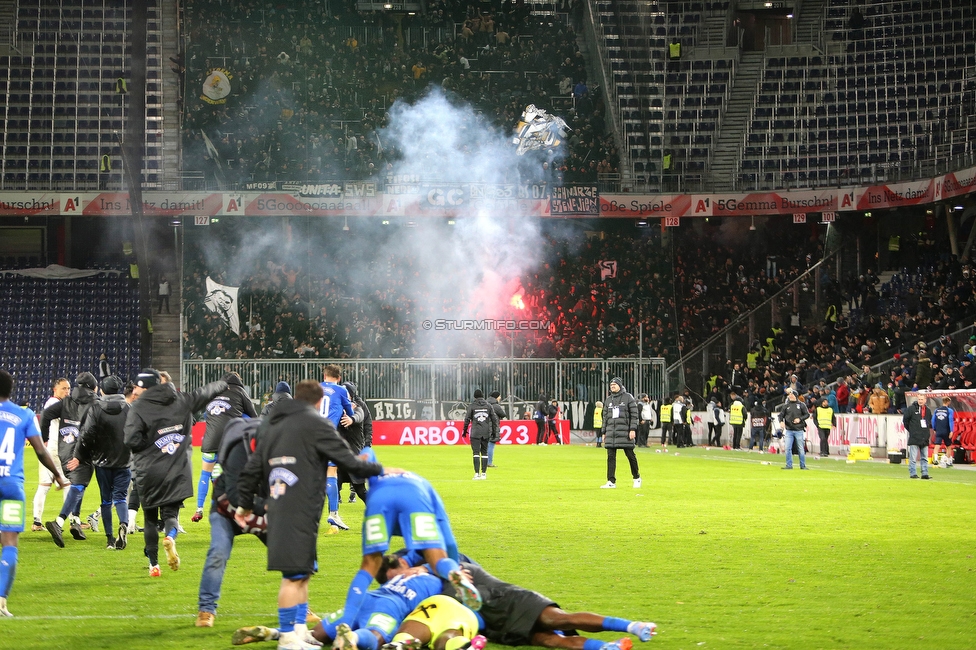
[{"x": 717, "y": 548}]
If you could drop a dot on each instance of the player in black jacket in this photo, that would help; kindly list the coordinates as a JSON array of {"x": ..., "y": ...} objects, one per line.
[
  {"x": 493, "y": 398},
  {"x": 356, "y": 435},
  {"x": 102, "y": 444},
  {"x": 482, "y": 420},
  {"x": 158, "y": 433},
  {"x": 232, "y": 403},
  {"x": 292, "y": 459},
  {"x": 539, "y": 415},
  {"x": 71, "y": 411}
]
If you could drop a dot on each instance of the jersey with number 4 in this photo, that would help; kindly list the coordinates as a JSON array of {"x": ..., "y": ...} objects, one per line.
[
  {"x": 17, "y": 424},
  {"x": 335, "y": 402}
]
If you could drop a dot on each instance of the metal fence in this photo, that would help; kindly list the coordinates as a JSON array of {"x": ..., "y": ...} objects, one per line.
[{"x": 448, "y": 380}]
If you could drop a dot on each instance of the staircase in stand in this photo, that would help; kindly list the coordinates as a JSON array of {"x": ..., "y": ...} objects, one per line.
[
  {"x": 166, "y": 335},
  {"x": 725, "y": 158}
]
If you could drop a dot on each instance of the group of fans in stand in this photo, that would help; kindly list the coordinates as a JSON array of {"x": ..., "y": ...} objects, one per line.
[{"x": 272, "y": 470}]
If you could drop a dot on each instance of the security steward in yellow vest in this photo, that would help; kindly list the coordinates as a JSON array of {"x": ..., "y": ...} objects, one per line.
[
  {"x": 598, "y": 422},
  {"x": 826, "y": 420},
  {"x": 737, "y": 418},
  {"x": 665, "y": 423},
  {"x": 752, "y": 360}
]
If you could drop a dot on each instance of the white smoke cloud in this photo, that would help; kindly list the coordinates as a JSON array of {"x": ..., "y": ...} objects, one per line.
[{"x": 477, "y": 263}]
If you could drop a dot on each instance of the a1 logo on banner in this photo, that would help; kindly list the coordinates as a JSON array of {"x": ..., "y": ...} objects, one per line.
[
  {"x": 201, "y": 220},
  {"x": 828, "y": 217},
  {"x": 672, "y": 222},
  {"x": 799, "y": 217}
]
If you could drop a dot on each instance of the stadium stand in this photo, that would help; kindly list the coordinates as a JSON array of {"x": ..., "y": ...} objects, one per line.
[
  {"x": 873, "y": 113},
  {"x": 886, "y": 102},
  {"x": 52, "y": 328},
  {"x": 312, "y": 100},
  {"x": 59, "y": 89}
]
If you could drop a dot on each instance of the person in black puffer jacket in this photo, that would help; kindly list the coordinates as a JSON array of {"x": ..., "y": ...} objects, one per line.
[
  {"x": 158, "y": 432},
  {"x": 102, "y": 444},
  {"x": 919, "y": 435},
  {"x": 620, "y": 422},
  {"x": 232, "y": 403}
]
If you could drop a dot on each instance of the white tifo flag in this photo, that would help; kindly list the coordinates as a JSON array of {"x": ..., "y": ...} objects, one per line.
[
  {"x": 222, "y": 300},
  {"x": 608, "y": 269}
]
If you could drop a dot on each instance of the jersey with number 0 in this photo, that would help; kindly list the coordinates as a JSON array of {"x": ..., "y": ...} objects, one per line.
[
  {"x": 17, "y": 424},
  {"x": 335, "y": 402}
]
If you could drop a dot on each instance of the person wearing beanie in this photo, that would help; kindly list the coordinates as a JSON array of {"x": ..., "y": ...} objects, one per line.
[
  {"x": 71, "y": 411},
  {"x": 158, "y": 433},
  {"x": 620, "y": 421},
  {"x": 232, "y": 403},
  {"x": 282, "y": 391},
  {"x": 101, "y": 444},
  {"x": 482, "y": 421}
]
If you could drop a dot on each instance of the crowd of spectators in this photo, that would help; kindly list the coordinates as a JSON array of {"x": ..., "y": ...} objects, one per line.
[
  {"x": 306, "y": 292},
  {"x": 893, "y": 325},
  {"x": 313, "y": 291},
  {"x": 310, "y": 88}
]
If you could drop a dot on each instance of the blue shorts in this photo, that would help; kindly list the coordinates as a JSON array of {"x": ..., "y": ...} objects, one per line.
[
  {"x": 398, "y": 505},
  {"x": 12, "y": 506}
]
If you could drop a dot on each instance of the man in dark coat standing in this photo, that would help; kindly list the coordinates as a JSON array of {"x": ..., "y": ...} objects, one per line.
[
  {"x": 918, "y": 430},
  {"x": 539, "y": 415},
  {"x": 158, "y": 433},
  {"x": 482, "y": 421},
  {"x": 620, "y": 421},
  {"x": 291, "y": 460}
]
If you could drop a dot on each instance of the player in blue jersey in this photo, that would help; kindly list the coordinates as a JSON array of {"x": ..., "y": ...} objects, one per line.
[
  {"x": 417, "y": 594},
  {"x": 406, "y": 505},
  {"x": 337, "y": 407},
  {"x": 17, "y": 425}
]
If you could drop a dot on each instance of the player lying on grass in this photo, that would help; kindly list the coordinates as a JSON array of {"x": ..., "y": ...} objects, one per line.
[
  {"x": 409, "y": 596},
  {"x": 406, "y": 505},
  {"x": 510, "y": 615},
  {"x": 513, "y": 615}
]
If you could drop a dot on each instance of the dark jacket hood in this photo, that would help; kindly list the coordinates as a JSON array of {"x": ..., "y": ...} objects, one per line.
[
  {"x": 287, "y": 407},
  {"x": 83, "y": 395},
  {"x": 113, "y": 404},
  {"x": 160, "y": 394},
  {"x": 233, "y": 380}
]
